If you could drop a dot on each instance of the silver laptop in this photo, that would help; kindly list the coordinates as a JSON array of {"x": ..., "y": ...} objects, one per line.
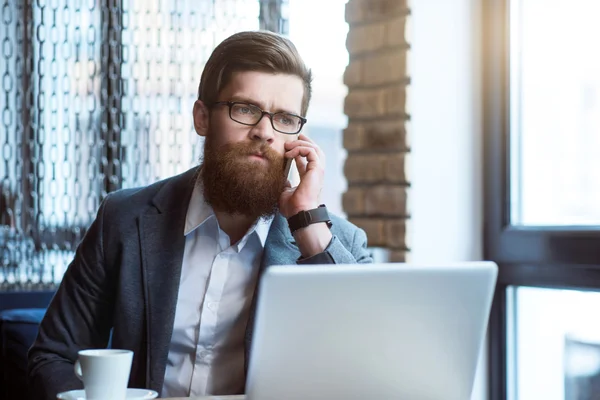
[{"x": 361, "y": 332}]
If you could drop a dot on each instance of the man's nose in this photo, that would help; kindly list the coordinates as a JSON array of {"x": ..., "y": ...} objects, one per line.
[{"x": 263, "y": 130}]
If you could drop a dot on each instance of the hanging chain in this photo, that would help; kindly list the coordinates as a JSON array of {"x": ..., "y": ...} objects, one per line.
[
  {"x": 39, "y": 126},
  {"x": 175, "y": 38},
  {"x": 97, "y": 96},
  {"x": 91, "y": 113},
  {"x": 7, "y": 190},
  {"x": 71, "y": 88}
]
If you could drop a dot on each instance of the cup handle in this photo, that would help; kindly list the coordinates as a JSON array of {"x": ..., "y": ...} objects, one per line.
[{"x": 77, "y": 369}]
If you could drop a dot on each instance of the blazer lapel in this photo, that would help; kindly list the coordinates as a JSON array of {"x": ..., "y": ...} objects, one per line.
[
  {"x": 280, "y": 249},
  {"x": 162, "y": 246}
]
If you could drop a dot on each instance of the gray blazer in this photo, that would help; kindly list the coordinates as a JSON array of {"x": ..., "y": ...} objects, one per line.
[{"x": 125, "y": 278}]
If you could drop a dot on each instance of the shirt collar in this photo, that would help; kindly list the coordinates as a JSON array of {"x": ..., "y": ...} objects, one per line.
[
  {"x": 262, "y": 229},
  {"x": 199, "y": 211}
]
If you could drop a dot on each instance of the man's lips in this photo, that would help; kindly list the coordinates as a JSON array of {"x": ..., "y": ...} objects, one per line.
[{"x": 260, "y": 156}]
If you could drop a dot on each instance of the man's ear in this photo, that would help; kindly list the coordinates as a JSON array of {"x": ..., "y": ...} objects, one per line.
[{"x": 201, "y": 118}]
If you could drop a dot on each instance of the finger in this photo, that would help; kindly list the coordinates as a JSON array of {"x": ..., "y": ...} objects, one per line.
[
  {"x": 296, "y": 143},
  {"x": 301, "y": 164},
  {"x": 306, "y": 158},
  {"x": 309, "y": 152},
  {"x": 304, "y": 143}
]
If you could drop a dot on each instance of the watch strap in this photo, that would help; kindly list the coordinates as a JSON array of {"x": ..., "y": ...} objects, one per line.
[{"x": 308, "y": 217}]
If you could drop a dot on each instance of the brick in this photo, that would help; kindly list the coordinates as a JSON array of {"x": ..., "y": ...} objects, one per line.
[
  {"x": 353, "y": 137},
  {"x": 386, "y": 200},
  {"x": 373, "y": 227},
  {"x": 384, "y": 135},
  {"x": 395, "y": 99},
  {"x": 365, "y": 103},
  {"x": 397, "y": 256},
  {"x": 395, "y": 168},
  {"x": 395, "y": 32},
  {"x": 365, "y": 38},
  {"x": 365, "y": 168},
  {"x": 353, "y": 201},
  {"x": 353, "y": 73},
  {"x": 354, "y": 11},
  {"x": 395, "y": 233},
  {"x": 382, "y": 9},
  {"x": 383, "y": 68},
  {"x": 359, "y": 11}
]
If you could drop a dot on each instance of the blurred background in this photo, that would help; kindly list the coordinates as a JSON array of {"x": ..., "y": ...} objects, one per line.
[
  {"x": 97, "y": 96},
  {"x": 454, "y": 130}
]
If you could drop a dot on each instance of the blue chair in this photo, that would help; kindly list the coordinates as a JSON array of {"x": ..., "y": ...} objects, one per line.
[
  {"x": 20, "y": 315},
  {"x": 18, "y": 330}
]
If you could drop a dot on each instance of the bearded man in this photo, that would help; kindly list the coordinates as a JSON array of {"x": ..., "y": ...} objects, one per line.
[{"x": 170, "y": 271}]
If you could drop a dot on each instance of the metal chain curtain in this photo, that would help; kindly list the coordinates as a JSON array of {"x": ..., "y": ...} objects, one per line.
[{"x": 96, "y": 96}]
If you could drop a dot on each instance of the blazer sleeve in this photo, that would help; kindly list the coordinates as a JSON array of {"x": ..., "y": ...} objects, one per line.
[
  {"x": 337, "y": 253},
  {"x": 78, "y": 317}
]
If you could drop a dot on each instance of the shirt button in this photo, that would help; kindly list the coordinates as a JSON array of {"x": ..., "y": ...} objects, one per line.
[
  {"x": 204, "y": 355},
  {"x": 211, "y": 306}
]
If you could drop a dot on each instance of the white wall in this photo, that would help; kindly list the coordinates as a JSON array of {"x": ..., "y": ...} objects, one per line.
[
  {"x": 327, "y": 57},
  {"x": 445, "y": 136}
]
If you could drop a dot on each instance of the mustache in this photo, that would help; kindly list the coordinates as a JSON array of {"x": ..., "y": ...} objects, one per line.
[{"x": 250, "y": 148}]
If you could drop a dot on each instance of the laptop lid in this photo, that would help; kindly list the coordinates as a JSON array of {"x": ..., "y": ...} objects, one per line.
[{"x": 371, "y": 331}]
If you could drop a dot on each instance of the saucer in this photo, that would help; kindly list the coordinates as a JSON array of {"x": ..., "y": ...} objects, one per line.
[{"x": 132, "y": 394}]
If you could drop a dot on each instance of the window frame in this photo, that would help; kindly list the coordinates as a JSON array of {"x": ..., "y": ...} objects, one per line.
[{"x": 537, "y": 256}]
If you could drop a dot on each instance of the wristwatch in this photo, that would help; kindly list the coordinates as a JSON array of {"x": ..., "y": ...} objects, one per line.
[{"x": 308, "y": 217}]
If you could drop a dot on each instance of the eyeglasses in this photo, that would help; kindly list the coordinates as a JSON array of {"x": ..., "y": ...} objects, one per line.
[{"x": 251, "y": 115}]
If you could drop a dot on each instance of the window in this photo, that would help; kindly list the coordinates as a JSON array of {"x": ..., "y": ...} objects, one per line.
[
  {"x": 542, "y": 140},
  {"x": 555, "y": 112},
  {"x": 96, "y": 96},
  {"x": 556, "y": 342},
  {"x": 164, "y": 48}
]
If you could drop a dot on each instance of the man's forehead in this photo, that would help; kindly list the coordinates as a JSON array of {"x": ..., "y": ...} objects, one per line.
[{"x": 272, "y": 92}]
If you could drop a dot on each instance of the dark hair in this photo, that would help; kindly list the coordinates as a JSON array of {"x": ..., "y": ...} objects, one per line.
[{"x": 261, "y": 51}]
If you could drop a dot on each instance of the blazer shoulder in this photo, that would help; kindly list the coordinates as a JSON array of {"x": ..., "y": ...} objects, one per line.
[
  {"x": 132, "y": 199},
  {"x": 135, "y": 201},
  {"x": 122, "y": 209}
]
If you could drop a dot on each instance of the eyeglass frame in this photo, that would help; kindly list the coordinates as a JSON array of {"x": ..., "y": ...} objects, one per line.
[{"x": 230, "y": 104}]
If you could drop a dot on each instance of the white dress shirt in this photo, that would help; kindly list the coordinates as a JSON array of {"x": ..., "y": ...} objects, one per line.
[{"x": 206, "y": 354}]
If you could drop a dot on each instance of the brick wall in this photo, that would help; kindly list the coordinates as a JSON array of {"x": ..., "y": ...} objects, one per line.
[{"x": 377, "y": 118}]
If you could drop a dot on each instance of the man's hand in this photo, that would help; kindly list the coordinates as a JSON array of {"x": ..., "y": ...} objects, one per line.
[{"x": 310, "y": 161}]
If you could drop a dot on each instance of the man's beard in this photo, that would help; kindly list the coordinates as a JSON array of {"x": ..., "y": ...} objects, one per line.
[{"x": 235, "y": 184}]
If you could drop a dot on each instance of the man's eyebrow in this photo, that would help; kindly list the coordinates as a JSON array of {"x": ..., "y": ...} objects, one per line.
[{"x": 261, "y": 105}]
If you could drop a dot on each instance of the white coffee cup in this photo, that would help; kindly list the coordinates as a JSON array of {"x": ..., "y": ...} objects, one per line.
[{"x": 104, "y": 372}]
